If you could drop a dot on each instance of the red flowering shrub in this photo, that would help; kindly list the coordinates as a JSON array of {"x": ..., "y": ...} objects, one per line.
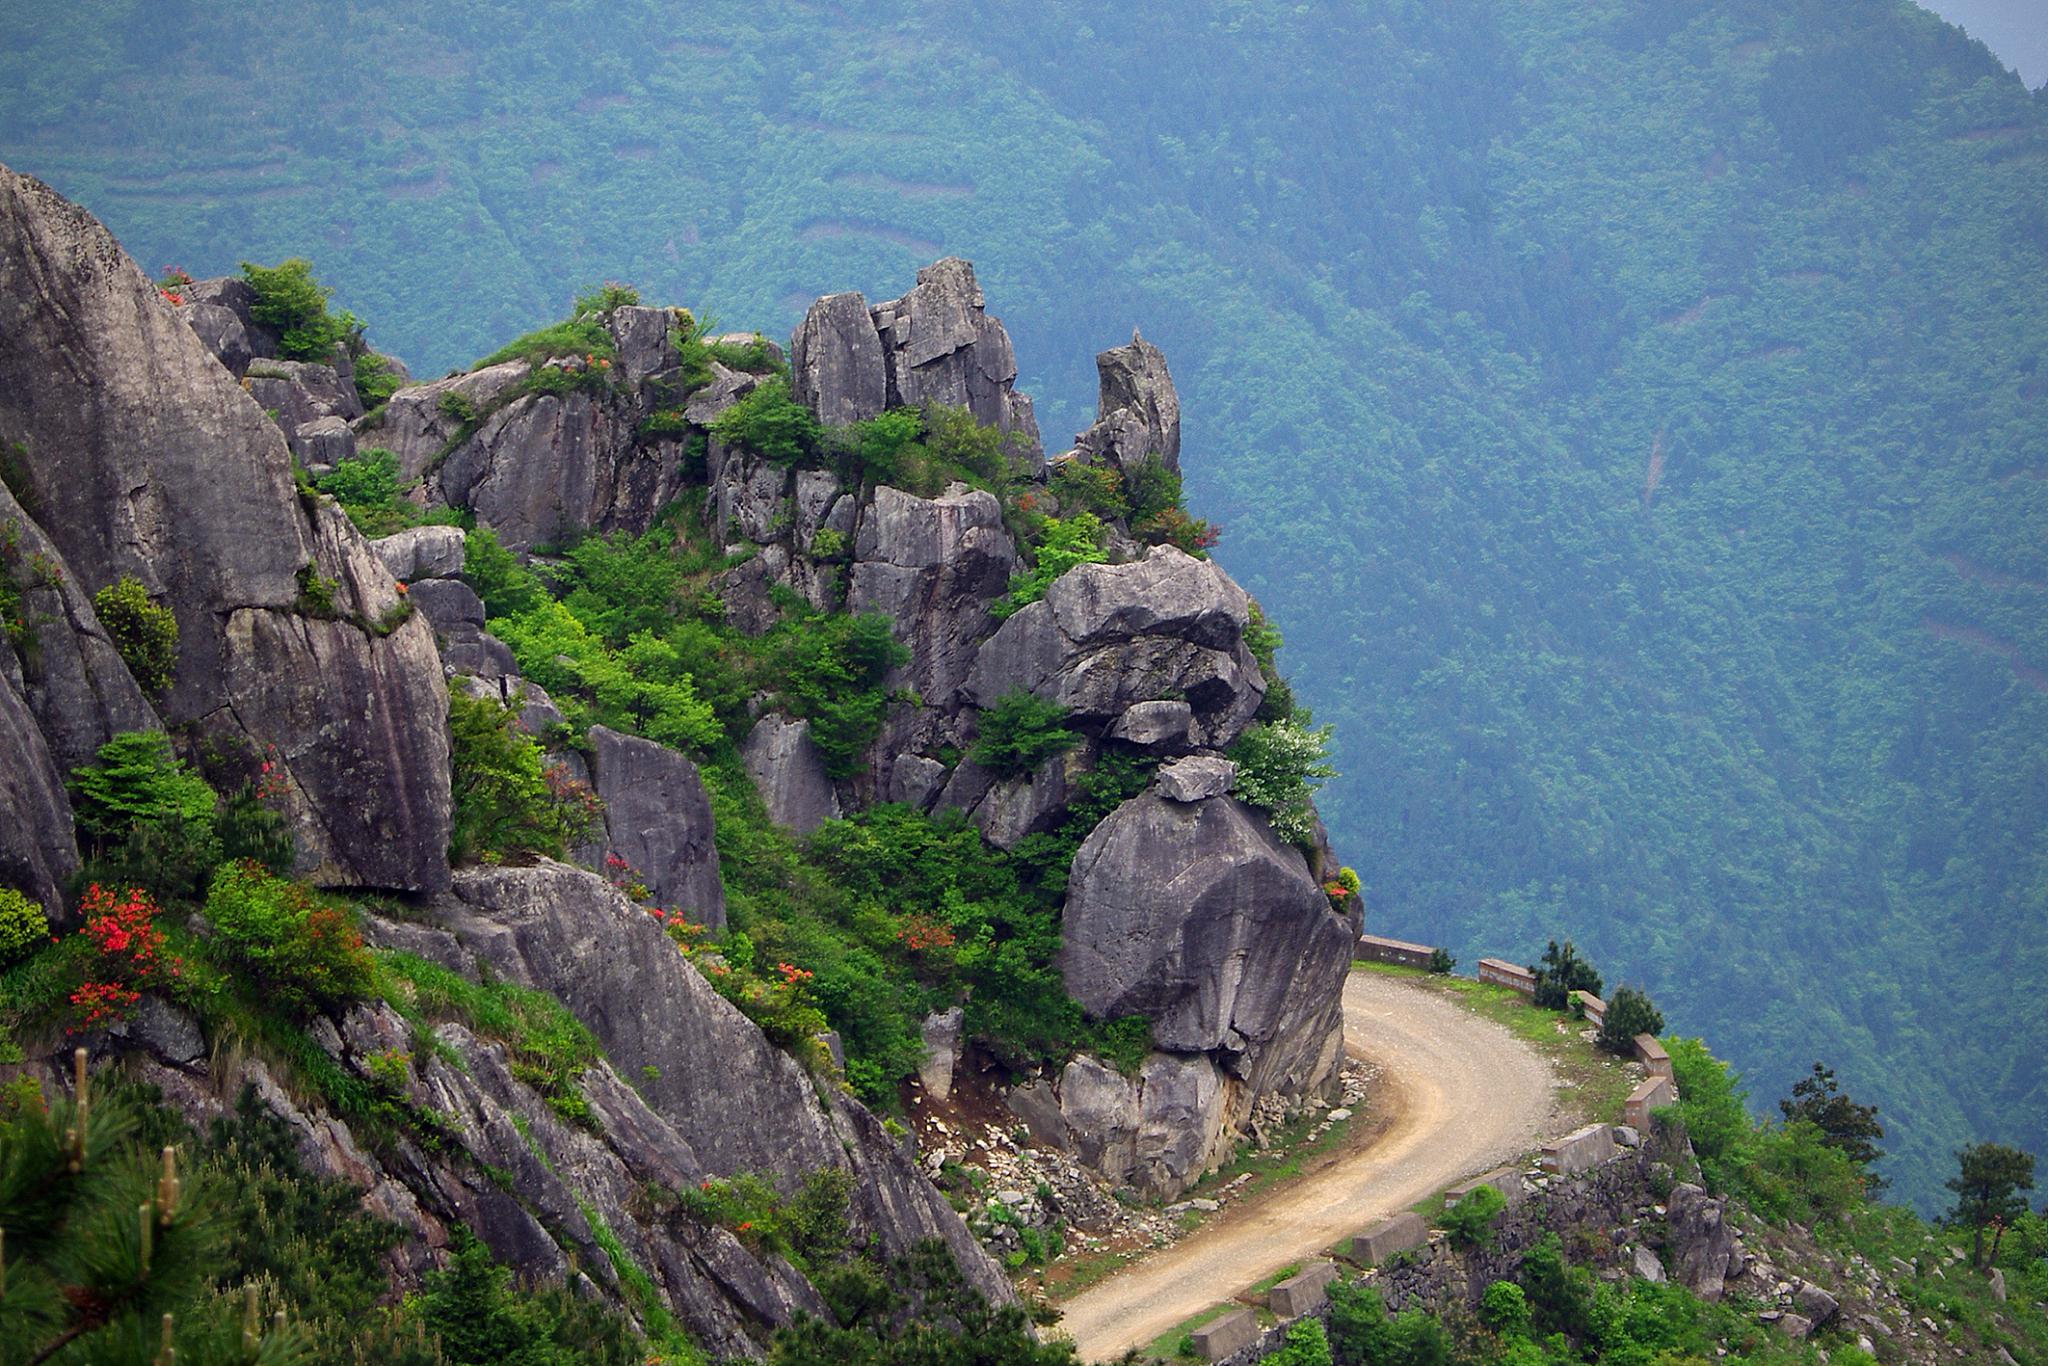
[
  {"x": 925, "y": 934},
  {"x": 128, "y": 954}
]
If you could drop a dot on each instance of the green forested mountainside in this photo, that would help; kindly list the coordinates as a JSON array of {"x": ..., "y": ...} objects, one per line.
[{"x": 1631, "y": 410}]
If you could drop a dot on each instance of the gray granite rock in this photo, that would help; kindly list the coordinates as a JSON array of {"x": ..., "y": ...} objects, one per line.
[
  {"x": 221, "y": 331},
  {"x": 1196, "y": 778},
  {"x": 145, "y": 457},
  {"x": 932, "y": 566},
  {"x": 657, "y": 818},
  {"x": 1159, "y": 726},
  {"x": 422, "y": 552},
  {"x": 1699, "y": 1241},
  {"x": 915, "y": 780},
  {"x": 38, "y": 853},
  {"x": 836, "y": 367},
  {"x": 641, "y": 336},
  {"x": 298, "y": 392},
  {"x": 941, "y": 346},
  {"x": 1199, "y": 919},
  {"x": 790, "y": 772},
  {"x": 1106, "y": 638},
  {"x": 942, "y": 1032},
  {"x": 420, "y": 422},
  {"x": 222, "y": 312},
  {"x": 323, "y": 443},
  {"x": 447, "y": 604}
]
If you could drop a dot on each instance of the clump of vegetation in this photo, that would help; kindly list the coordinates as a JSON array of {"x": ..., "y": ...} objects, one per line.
[
  {"x": 368, "y": 490},
  {"x": 1470, "y": 1221},
  {"x": 147, "y": 819},
  {"x": 1066, "y": 542},
  {"x": 1849, "y": 1128},
  {"x": 832, "y": 668},
  {"x": 1280, "y": 764},
  {"x": 301, "y": 951},
  {"x": 584, "y": 333},
  {"x": 144, "y": 633},
  {"x": 1630, "y": 1012},
  {"x": 509, "y": 802},
  {"x": 316, "y": 594},
  {"x": 771, "y": 424},
  {"x": 24, "y": 928},
  {"x": 922, "y": 450},
  {"x": 1560, "y": 973},
  {"x": 377, "y": 379},
  {"x": 1441, "y": 962},
  {"x": 1018, "y": 732},
  {"x": 290, "y": 300}
]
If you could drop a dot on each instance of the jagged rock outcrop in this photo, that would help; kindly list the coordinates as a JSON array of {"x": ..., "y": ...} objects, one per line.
[
  {"x": 1108, "y": 637},
  {"x": 221, "y": 312},
  {"x": 143, "y": 456},
  {"x": 1153, "y": 1132},
  {"x": 836, "y": 366},
  {"x": 657, "y": 818},
  {"x": 547, "y": 468},
  {"x": 932, "y": 566},
  {"x": 300, "y": 392},
  {"x": 37, "y": 850},
  {"x": 1138, "y": 410},
  {"x": 788, "y": 768},
  {"x": 420, "y": 423},
  {"x": 1699, "y": 1241},
  {"x": 935, "y": 345}
]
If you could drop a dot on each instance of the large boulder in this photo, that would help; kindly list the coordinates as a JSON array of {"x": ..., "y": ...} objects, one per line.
[
  {"x": 940, "y": 346},
  {"x": 1197, "y": 917},
  {"x": 1138, "y": 410},
  {"x": 222, "y": 312},
  {"x": 836, "y": 367},
  {"x": 788, "y": 768},
  {"x": 295, "y": 393},
  {"x": 1156, "y": 1132},
  {"x": 1698, "y": 1241},
  {"x": 643, "y": 339},
  {"x": 143, "y": 456},
  {"x": 657, "y": 818},
  {"x": 38, "y": 853},
  {"x": 1107, "y": 638}
]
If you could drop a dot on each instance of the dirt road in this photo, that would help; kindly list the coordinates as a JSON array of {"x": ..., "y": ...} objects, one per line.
[{"x": 1463, "y": 1095}]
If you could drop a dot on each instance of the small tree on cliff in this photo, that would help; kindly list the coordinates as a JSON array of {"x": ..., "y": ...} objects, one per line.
[
  {"x": 1847, "y": 1127},
  {"x": 1987, "y": 1186},
  {"x": 1630, "y": 1013},
  {"x": 1560, "y": 973}
]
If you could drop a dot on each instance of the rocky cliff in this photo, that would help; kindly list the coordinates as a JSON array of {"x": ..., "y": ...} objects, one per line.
[{"x": 153, "y": 438}]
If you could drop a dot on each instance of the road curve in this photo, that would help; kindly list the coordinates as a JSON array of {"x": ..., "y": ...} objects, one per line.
[{"x": 1463, "y": 1095}]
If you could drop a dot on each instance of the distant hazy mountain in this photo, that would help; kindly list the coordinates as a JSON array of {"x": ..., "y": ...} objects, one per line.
[{"x": 1631, "y": 411}]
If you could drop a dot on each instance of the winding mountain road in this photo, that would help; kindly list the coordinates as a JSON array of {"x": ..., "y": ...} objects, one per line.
[{"x": 1462, "y": 1095}]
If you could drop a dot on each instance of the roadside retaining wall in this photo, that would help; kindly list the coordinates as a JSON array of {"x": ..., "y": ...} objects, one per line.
[
  {"x": 1375, "y": 948},
  {"x": 1502, "y": 973}
]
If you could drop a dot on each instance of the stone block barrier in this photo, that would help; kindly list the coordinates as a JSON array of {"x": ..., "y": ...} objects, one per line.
[
  {"x": 1373, "y": 948},
  {"x": 1506, "y": 1180},
  {"x": 1580, "y": 1151},
  {"x": 1654, "y": 1059},
  {"x": 1654, "y": 1094},
  {"x": 1502, "y": 973},
  {"x": 1594, "y": 1008},
  {"x": 1383, "y": 1240},
  {"x": 1227, "y": 1336},
  {"x": 1304, "y": 1293}
]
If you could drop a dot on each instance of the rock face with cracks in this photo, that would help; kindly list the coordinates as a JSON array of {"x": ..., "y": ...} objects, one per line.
[{"x": 139, "y": 454}]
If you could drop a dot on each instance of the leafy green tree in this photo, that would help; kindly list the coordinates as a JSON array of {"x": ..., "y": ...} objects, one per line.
[
  {"x": 770, "y": 423},
  {"x": 504, "y": 804},
  {"x": 1851, "y": 1128},
  {"x": 1629, "y": 1013},
  {"x": 148, "y": 820},
  {"x": 1988, "y": 1186},
  {"x": 301, "y": 951},
  {"x": 1711, "y": 1102},
  {"x": 290, "y": 300},
  {"x": 1065, "y": 543},
  {"x": 1470, "y": 1221},
  {"x": 144, "y": 633},
  {"x": 24, "y": 928},
  {"x": 1307, "y": 1344},
  {"x": 1504, "y": 1308},
  {"x": 1560, "y": 973},
  {"x": 1018, "y": 732}
]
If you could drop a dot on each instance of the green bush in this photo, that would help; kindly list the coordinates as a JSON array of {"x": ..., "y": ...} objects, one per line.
[
  {"x": 832, "y": 669},
  {"x": 290, "y": 300},
  {"x": 1067, "y": 542},
  {"x": 505, "y": 805},
  {"x": 1441, "y": 962},
  {"x": 1279, "y": 767},
  {"x": 368, "y": 490},
  {"x": 1629, "y": 1013},
  {"x": 1018, "y": 732},
  {"x": 1470, "y": 1221},
  {"x": 24, "y": 928},
  {"x": 302, "y": 951},
  {"x": 1082, "y": 487},
  {"x": 771, "y": 424},
  {"x": 377, "y": 379},
  {"x": 506, "y": 586},
  {"x": 1307, "y": 1344},
  {"x": 145, "y": 634},
  {"x": 584, "y": 335},
  {"x": 1711, "y": 1103},
  {"x": 1561, "y": 972},
  {"x": 1504, "y": 1308}
]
